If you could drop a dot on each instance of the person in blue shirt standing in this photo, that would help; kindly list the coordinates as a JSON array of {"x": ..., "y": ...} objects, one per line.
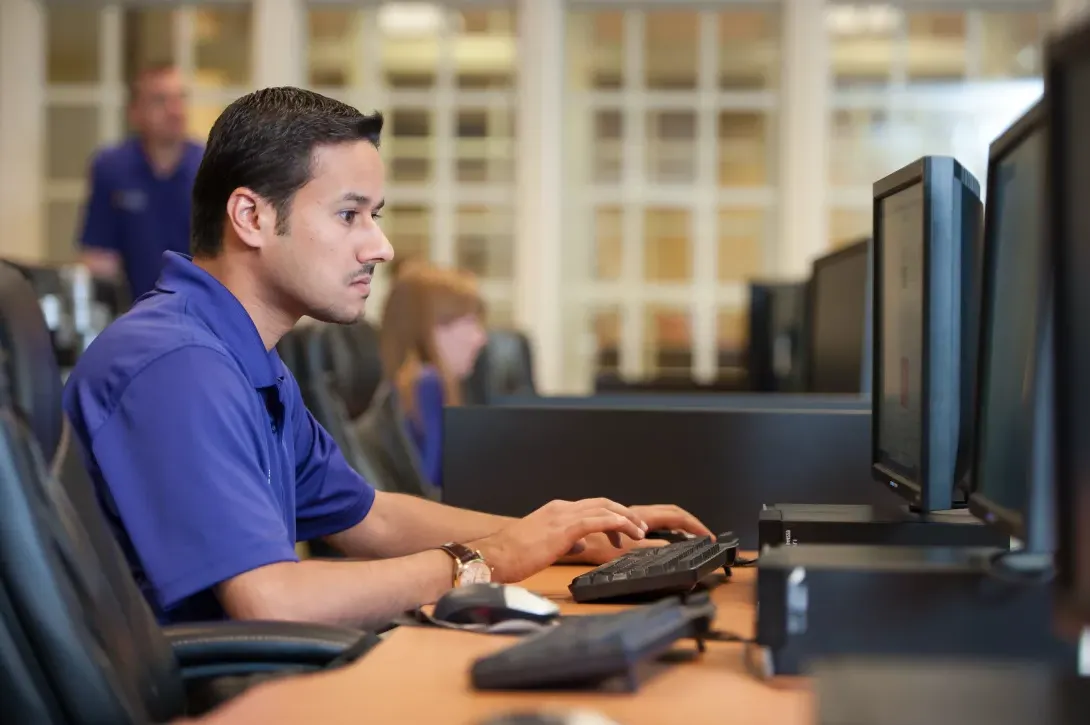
[
  {"x": 432, "y": 332},
  {"x": 205, "y": 460},
  {"x": 140, "y": 189}
]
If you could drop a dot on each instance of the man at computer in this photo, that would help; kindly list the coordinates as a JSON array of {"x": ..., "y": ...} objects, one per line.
[{"x": 207, "y": 463}]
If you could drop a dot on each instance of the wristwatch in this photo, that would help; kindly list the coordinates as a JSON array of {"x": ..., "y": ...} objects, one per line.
[{"x": 469, "y": 565}]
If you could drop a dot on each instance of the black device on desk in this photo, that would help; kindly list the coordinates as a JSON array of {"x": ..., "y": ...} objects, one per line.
[
  {"x": 590, "y": 650},
  {"x": 816, "y": 601},
  {"x": 925, "y": 261},
  {"x": 657, "y": 571}
]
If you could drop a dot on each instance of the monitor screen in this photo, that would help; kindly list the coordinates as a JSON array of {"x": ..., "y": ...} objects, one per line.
[
  {"x": 1012, "y": 319},
  {"x": 902, "y": 355},
  {"x": 838, "y": 332}
]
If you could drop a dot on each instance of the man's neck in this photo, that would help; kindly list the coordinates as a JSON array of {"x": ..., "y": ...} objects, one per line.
[
  {"x": 272, "y": 322},
  {"x": 163, "y": 156}
]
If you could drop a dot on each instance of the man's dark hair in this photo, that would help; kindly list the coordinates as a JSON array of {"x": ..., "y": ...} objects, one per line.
[{"x": 265, "y": 142}]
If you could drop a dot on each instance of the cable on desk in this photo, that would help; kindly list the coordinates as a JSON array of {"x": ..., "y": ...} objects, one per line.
[
  {"x": 742, "y": 561},
  {"x": 718, "y": 635}
]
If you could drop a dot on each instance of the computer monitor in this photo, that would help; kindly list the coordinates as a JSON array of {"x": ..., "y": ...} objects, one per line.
[
  {"x": 927, "y": 219},
  {"x": 1012, "y": 467},
  {"x": 777, "y": 321},
  {"x": 839, "y": 357},
  {"x": 1067, "y": 191}
]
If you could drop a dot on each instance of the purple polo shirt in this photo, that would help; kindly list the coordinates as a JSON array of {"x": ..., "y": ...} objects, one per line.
[
  {"x": 206, "y": 462},
  {"x": 136, "y": 213}
]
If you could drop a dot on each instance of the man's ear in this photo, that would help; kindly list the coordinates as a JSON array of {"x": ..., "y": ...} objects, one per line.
[{"x": 250, "y": 217}]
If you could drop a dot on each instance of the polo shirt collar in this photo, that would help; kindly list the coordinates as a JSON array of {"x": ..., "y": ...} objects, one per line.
[{"x": 212, "y": 303}]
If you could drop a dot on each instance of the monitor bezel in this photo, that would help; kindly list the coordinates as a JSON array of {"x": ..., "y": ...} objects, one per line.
[
  {"x": 1073, "y": 596},
  {"x": 940, "y": 440},
  {"x": 861, "y": 246},
  {"x": 1010, "y": 522}
]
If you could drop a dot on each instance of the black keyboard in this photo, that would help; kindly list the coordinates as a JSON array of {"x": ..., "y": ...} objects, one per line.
[
  {"x": 588, "y": 650},
  {"x": 656, "y": 571}
]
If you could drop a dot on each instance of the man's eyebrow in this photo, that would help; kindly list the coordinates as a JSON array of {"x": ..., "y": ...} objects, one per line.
[{"x": 356, "y": 198}]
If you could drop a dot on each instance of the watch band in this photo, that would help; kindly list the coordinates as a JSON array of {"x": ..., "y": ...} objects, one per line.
[{"x": 463, "y": 556}]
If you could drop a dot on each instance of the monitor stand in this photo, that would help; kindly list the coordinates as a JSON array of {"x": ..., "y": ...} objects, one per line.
[
  {"x": 792, "y": 524},
  {"x": 894, "y": 691}
]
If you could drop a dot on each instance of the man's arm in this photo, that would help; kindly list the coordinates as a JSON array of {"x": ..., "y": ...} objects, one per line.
[
  {"x": 98, "y": 239},
  {"x": 399, "y": 525},
  {"x": 368, "y": 593}
]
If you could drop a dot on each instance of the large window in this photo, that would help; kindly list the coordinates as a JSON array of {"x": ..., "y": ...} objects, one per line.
[
  {"x": 670, "y": 135},
  {"x": 911, "y": 82},
  {"x": 445, "y": 80},
  {"x": 92, "y": 55}
]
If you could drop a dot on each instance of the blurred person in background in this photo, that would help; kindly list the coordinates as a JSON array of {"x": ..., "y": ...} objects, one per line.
[
  {"x": 140, "y": 189},
  {"x": 432, "y": 332}
]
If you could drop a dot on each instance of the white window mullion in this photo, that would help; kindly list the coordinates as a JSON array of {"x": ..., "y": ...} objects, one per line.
[
  {"x": 704, "y": 232},
  {"x": 185, "y": 43},
  {"x": 113, "y": 101},
  {"x": 631, "y": 351},
  {"x": 444, "y": 219}
]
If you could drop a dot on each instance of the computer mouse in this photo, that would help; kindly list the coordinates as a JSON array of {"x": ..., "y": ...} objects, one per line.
[
  {"x": 493, "y": 603},
  {"x": 555, "y": 717}
]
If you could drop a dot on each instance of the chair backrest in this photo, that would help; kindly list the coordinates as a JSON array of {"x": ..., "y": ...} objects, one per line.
[
  {"x": 354, "y": 364},
  {"x": 382, "y": 433},
  {"x": 95, "y": 644},
  {"x": 29, "y": 361},
  {"x": 504, "y": 367}
]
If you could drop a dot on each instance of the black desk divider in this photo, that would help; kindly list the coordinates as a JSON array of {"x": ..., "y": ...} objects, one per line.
[
  {"x": 689, "y": 401},
  {"x": 721, "y": 465}
]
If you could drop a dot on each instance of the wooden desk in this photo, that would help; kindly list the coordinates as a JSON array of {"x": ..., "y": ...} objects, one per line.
[{"x": 421, "y": 675}]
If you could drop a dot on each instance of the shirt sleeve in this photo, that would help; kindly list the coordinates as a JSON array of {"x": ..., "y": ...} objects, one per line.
[
  {"x": 429, "y": 428},
  {"x": 330, "y": 495},
  {"x": 100, "y": 223},
  {"x": 185, "y": 464}
]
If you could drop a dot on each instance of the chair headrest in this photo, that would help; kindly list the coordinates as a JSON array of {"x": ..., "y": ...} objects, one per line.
[
  {"x": 355, "y": 364},
  {"x": 30, "y": 369}
]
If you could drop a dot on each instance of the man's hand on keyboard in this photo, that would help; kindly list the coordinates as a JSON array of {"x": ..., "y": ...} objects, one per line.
[
  {"x": 558, "y": 528},
  {"x": 599, "y": 550}
]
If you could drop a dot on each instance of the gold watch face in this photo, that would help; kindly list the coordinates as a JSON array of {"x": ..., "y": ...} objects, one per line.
[{"x": 475, "y": 572}]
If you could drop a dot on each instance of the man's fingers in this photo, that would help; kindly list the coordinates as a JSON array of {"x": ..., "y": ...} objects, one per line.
[
  {"x": 672, "y": 517},
  {"x": 606, "y": 522},
  {"x": 615, "y": 539},
  {"x": 577, "y": 548},
  {"x": 618, "y": 509}
]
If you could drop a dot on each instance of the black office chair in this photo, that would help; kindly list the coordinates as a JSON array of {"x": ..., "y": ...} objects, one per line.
[
  {"x": 383, "y": 435},
  {"x": 505, "y": 367},
  {"x": 68, "y": 599}
]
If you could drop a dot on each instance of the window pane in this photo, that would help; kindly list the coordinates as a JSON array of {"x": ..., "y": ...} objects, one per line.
[
  {"x": 936, "y": 47},
  {"x": 671, "y": 147},
  {"x": 201, "y": 119},
  {"x": 333, "y": 47},
  {"x": 72, "y": 137},
  {"x": 749, "y": 49},
  {"x": 223, "y": 46},
  {"x": 500, "y": 313},
  {"x": 595, "y": 49},
  {"x": 609, "y": 243},
  {"x": 72, "y": 42},
  {"x": 863, "y": 39},
  {"x": 486, "y": 145},
  {"x": 485, "y": 49},
  {"x": 149, "y": 40},
  {"x": 411, "y": 146},
  {"x": 742, "y": 233},
  {"x": 1011, "y": 45},
  {"x": 608, "y": 131},
  {"x": 863, "y": 147},
  {"x": 847, "y": 226},
  {"x": 606, "y": 326},
  {"x": 408, "y": 227},
  {"x": 62, "y": 219},
  {"x": 667, "y": 248},
  {"x": 732, "y": 326},
  {"x": 668, "y": 342},
  {"x": 672, "y": 46},
  {"x": 485, "y": 241},
  {"x": 410, "y": 43},
  {"x": 744, "y": 149}
]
